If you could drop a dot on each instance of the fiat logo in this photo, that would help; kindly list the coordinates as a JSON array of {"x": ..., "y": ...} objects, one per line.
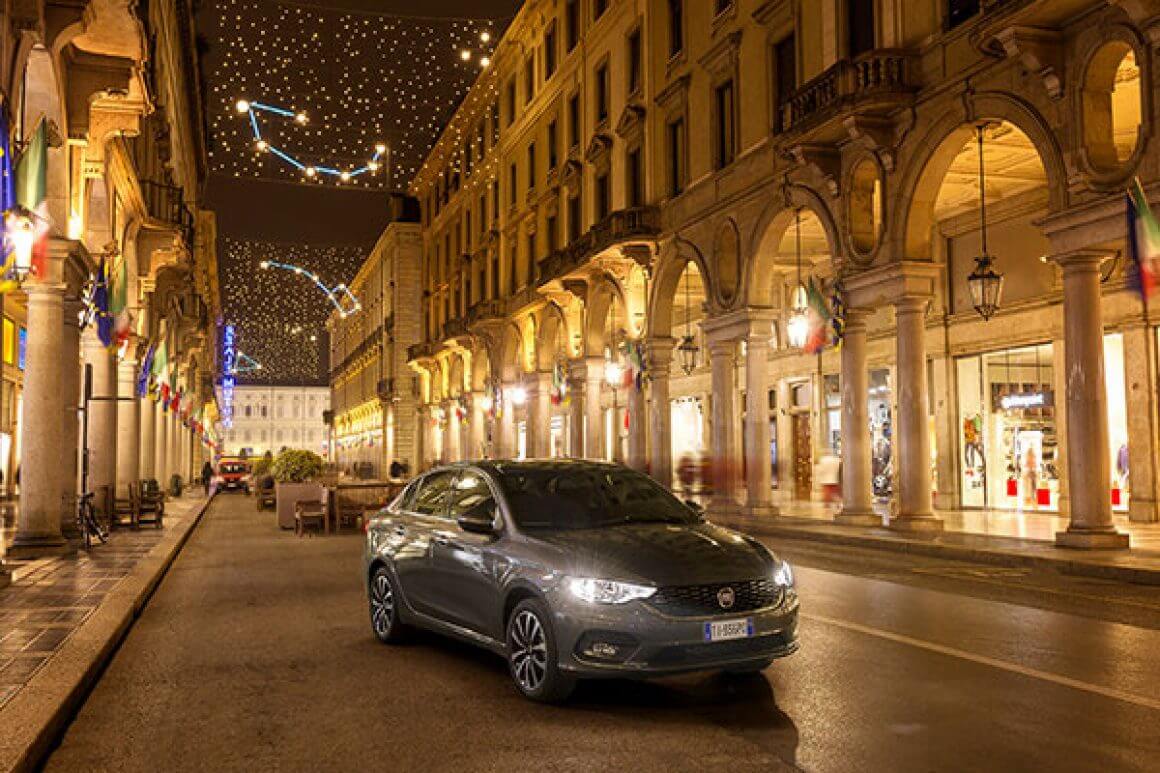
[{"x": 726, "y": 597}]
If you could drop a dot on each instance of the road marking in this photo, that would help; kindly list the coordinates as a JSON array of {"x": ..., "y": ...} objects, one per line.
[{"x": 1014, "y": 668}]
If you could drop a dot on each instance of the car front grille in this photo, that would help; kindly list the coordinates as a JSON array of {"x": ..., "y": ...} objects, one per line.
[
  {"x": 770, "y": 645},
  {"x": 702, "y": 600}
]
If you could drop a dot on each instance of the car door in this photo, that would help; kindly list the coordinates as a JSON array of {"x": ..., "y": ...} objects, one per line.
[
  {"x": 466, "y": 566},
  {"x": 424, "y": 512}
]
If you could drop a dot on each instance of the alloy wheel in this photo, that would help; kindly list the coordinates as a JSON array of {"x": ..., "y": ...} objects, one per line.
[
  {"x": 529, "y": 650},
  {"x": 382, "y": 605}
]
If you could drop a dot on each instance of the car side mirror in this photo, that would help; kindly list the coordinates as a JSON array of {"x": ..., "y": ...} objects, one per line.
[
  {"x": 480, "y": 519},
  {"x": 697, "y": 508}
]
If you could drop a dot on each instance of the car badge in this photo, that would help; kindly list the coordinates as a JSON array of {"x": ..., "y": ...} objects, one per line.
[{"x": 726, "y": 597}]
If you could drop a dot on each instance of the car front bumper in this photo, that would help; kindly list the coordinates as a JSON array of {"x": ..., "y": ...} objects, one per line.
[{"x": 649, "y": 643}]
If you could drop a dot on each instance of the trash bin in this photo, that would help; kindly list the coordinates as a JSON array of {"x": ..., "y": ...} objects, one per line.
[{"x": 175, "y": 485}]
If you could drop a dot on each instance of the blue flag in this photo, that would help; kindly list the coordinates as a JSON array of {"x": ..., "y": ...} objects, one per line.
[
  {"x": 101, "y": 306},
  {"x": 143, "y": 372},
  {"x": 7, "y": 179}
]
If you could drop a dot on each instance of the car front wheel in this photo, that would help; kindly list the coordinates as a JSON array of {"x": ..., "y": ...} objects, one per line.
[
  {"x": 532, "y": 654},
  {"x": 384, "y": 608}
]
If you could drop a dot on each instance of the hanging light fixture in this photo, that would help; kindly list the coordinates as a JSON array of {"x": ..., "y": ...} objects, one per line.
[
  {"x": 20, "y": 233},
  {"x": 798, "y": 327},
  {"x": 687, "y": 349},
  {"x": 985, "y": 283}
]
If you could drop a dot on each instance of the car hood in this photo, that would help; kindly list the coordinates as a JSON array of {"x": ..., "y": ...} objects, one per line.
[{"x": 661, "y": 554}]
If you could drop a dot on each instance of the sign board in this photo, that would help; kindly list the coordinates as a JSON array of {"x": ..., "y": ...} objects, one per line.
[{"x": 229, "y": 364}]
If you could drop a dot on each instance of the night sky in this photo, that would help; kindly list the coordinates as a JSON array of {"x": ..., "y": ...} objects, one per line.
[{"x": 363, "y": 73}]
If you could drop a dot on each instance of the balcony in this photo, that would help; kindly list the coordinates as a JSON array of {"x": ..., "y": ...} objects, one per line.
[
  {"x": 621, "y": 226},
  {"x": 483, "y": 311},
  {"x": 421, "y": 350},
  {"x": 873, "y": 83},
  {"x": 166, "y": 203}
]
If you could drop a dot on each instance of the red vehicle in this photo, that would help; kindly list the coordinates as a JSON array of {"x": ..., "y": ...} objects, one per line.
[{"x": 233, "y": 475}]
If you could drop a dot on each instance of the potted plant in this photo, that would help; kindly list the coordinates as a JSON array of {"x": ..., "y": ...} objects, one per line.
[{"x": 294, "y": 474}]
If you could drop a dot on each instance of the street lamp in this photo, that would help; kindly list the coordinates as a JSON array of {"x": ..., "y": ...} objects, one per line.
[
  {"x": 985, "y": 283},
  {"x": 20, "y": 229},
  {"x": 519, "y": 395},
  {"x": 613, "y": 373},
  {"x": 687, "y": 349},
  {"x": 798, "y": 326}
]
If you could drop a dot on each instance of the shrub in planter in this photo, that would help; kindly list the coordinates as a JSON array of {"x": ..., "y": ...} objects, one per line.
[
  {"x": 262, "y": 466},
  {"x": 296, "y": 466}
]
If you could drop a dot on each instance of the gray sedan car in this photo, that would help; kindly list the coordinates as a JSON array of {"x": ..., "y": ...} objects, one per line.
[{"x": 573, "y": 569}]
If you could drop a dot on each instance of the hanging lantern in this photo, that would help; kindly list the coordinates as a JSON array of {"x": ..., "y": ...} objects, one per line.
[
  {"x": 985, "y": 283},
  {"x": 20, "y": 231},
  {"x": 797, "y": 328},
  {"x": 687, "y": 351}
]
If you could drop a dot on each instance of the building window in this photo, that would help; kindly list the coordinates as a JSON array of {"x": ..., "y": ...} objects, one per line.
[
  {"x": 510, "y": 101},
  {"x": 532, "y": 166},
  {"x": 602, "y": 95},
  {"x": 495, "y": 276},
  {"x": 635, "y": 178},
  {"x": 574, "y": 217},
  {"x": 550, "y": 234},
  {"x": 494, "y": 124},
  {"x": 676, "y": 27},
  {"x": 634, "y": 62},
  {"x": 532, "y": 257},
  {"x": 248, "y": 411},
  {"x": 784, "y": 78},
  {"x": 482, "y": 214},
  {"x": 603, "y": 196},
  {"x": 725, "y": 108},
  {"x": 676, "y": 156},
  {"x": 550, "y": 52},
  {"x": 572, "y": 23},
  {"x": 860, "y": 26},
  {"x": 552, "y": 143},
  {"x": 512, "y": 182},
  {"x": 530, "y": 79},
  {"x": 574, "y": 120}
]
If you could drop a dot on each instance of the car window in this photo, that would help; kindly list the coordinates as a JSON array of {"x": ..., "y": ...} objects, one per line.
[
  {"x": 403, "y": 502},
  {"x": 586, "y": 498},
  {"x": 470, "y": 490},
  {"x": 433, "y": 493}
]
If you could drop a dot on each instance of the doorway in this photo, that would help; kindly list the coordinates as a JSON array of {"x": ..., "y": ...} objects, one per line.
[{"x": 803, "y": 477}]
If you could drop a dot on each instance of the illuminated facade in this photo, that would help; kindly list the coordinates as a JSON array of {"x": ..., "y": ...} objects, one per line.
[{"x": 275, "y": 418}]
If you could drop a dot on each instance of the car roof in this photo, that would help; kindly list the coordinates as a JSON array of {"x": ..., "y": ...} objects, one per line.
[{"x": 500, "y": 466}]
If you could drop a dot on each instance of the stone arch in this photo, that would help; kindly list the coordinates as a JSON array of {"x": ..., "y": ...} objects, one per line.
[
  {"x": 727, "y": 262},
  {"x": 1095, "y": 74},
  {"x": 602, "y": 294},
  {"x": 511, "y": 352},
  {"x": 922, "y": 177},
  {"x": 772, "y": 225},
  {"x": 552, "y": 337},
  {"x": 39, "y": 94},
  {"x": 666, "y": 283}
]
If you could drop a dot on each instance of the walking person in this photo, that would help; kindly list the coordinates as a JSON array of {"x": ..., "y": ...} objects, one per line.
[{"x": 207, "y": 476}]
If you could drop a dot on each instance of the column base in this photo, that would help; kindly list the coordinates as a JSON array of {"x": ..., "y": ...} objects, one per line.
[
  {"x": 915, "y": 523},
  {"x": 858, "y": 517},
  {"x": 761, "y": 509},
  {"x": 1092, "y": 539},
  {"x": 37, "y": 545}
]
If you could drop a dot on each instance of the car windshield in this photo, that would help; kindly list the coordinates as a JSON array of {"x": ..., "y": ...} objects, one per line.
[
  {"x": 587, "y": 498},
  {"x": 226, "y": 468}
]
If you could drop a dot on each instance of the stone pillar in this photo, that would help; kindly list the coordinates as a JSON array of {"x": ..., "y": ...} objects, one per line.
[
  {"x": 758, "y": 476},
  {"x": 478, "y": 448},
  {"x": 172, "y": 462},
  {"x": 1140, "y": 376},
  {"x": 1059, "y": 384},
  {"x": 723, "y": 368},
  {"x": 161, "y": 449},
  {"x": 128, "y": 426},
  {"x": 70, "y": 387},
  {"x": 593, "y": 415},
  {"x": 857, "y": 505},
  {"x": 102, "y": 409},
  {"x": 506, "y": 437},
  {"x": 577, "y": 371},
  {"x": 42, "y": 482},
  {"x": 452, "y": 435},
  {"x": 1087, "y": 406},
  {"x": 634, "y": 404},
  {"x": 913, "y": 464},
  {"x": 538, "y": 424},
  {"x": 148, "y": 457},
  {"x": 660, "y": 358}
]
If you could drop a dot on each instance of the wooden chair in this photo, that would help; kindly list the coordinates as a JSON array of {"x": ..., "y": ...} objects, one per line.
[
  {"x": 265, "y": 496},
  {"x": 150, "y": 505},
  {"x": 310, "y": 515},
  {"x": 126, "y": 507}
]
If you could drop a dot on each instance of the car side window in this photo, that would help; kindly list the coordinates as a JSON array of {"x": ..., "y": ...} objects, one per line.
[
  {"x": 470, "y": 490},
  {"x": 433, "y": 493},
  {"x": 404, "y": 501}
]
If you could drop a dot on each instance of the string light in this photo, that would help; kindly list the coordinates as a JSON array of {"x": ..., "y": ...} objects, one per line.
[{"x": 339, "y": 295}]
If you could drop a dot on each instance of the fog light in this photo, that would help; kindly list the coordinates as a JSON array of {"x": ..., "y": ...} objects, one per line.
[{"x": 602, "y": 649}]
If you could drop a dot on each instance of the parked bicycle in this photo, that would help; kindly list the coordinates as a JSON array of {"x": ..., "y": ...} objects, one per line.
[{"x": 87, "y": 521}]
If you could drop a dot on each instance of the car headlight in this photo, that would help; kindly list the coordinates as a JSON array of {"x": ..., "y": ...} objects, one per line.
[
  {"x": 607, "y": 591},
  {"x": 783, "y": 575}
]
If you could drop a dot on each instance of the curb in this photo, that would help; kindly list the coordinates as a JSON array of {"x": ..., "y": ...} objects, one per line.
[
  {"x": 37, "y": 717},
  {"x": 995, "y": 556}
]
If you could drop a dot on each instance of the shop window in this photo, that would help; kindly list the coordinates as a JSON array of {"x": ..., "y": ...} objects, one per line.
[
  {"x": 9, "y": 343},
  {"x": 1111, "y": 106}
]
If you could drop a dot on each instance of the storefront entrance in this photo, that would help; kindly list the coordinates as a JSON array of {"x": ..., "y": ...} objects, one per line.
[{"x": 803, "y": 476}]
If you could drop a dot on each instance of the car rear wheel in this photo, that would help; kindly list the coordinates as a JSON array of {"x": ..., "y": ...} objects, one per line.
[
  {"x": 532, "y": 654},
  {"x": 384, "y": 608}
]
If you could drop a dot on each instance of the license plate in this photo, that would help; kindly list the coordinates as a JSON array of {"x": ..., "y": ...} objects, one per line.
[{"x": 724, "y": 630}]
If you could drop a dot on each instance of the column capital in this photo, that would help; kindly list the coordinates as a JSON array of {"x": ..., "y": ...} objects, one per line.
[
  {"x": 660, "y": 354},
  {"x": 911, "y": 304},
  {"x": 856, "y": 318},
  {"x": 889, "y": 283},
  {"x": 1083, "y": 260}
]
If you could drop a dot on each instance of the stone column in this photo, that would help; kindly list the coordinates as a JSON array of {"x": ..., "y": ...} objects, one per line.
[
  {"x": 660, "y": 359},
  {"x": 478, "y": 448},
  {"x": 1140, "y": 376},
  {"x": 577, "y": 371},
  {"x": 857, "y": 505},
  {"x": 593, "y": 415},
  {"x": 161, "y": 450},
  {"x": 1087, "y": 406},
  {"x": 915, "y": 512},
  {"x": 758, "y": 476},
  {"x": 102, "y": 409},
  {"x": 148, "y": 457},
  {"x": 506, "y": 436},
  {"x": 41, "y": 435},
  {"x": 634, "y": 404},
  {"x": 538, "y": 425},
  {"x": 128, "y": 426},
  {"x": 172, "y": 462},
  {"x": 452, "y": 435},
  {"x": 70, "y": 387},
  {"x": 723, "y": 368},
  {"x": 1059, "y": 384}
]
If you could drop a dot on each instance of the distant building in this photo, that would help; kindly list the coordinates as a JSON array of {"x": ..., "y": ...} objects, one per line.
[{"x": 270, "y": 418}]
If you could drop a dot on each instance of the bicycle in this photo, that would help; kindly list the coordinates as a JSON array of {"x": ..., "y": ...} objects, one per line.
[{"x": 87, "y": 521}]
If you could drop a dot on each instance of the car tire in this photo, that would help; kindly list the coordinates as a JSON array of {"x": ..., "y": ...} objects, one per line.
[
  {"x": 749, "y": 669},
  {"x": 384, "y": 607},
  {"x": 533, "y": 659}
]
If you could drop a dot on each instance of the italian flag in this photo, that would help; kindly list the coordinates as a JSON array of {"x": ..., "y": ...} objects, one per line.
[
  {"x": 119, "y": 302},
  {"x": 32, "y": 191},
  {"x": 157, "y": 372},
  {"x": 819, "y": 316},
  {"x": 1143, "y": 241}
]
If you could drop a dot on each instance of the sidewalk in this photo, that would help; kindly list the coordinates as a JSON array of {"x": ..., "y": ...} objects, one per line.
[
  {"x": 61, "y": 620},
  {"x": 975, "y": 536}
]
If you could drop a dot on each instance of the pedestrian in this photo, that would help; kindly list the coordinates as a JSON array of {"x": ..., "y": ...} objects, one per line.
[{"x": 207, "y": 476}]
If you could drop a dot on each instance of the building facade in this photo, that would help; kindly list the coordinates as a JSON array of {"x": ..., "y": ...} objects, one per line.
[
  {"x": 116, "y": 92},
  {"x": 273, "y": 418},
  {"x": 373, "y": 393},
  {"x": 627, "y": 212}
]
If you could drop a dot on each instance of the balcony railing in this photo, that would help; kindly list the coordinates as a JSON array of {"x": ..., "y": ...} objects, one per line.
[
  {"x": 619, "y": 226},
  {"x": 879, "y": 73},
  {"x": 166, "y": 203},
  {"x": 484, "y": 310}
]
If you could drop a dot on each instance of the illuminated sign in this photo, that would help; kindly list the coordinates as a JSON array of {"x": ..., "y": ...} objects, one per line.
[
  {"x": 229, "y": 362},
  {"x": 1022, "y": 400}
]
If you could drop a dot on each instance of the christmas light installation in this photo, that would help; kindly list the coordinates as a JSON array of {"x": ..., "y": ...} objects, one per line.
[
  {"x": 311, "y": 171},
  {"x": 244, "y": 363},
  {"x": 340, "y": 295}
]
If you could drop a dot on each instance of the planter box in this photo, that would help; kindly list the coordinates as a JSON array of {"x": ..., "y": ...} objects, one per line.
[{"x": 290, "y": 494}]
